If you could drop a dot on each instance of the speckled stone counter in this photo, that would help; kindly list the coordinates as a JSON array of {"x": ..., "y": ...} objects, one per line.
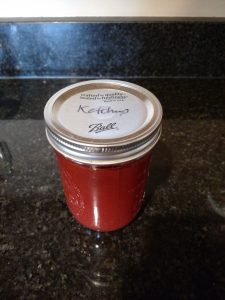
[{"x": 175, "y": 249}]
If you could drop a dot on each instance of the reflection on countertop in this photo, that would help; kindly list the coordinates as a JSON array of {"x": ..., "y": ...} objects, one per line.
[{"x": 175, "y": 247}]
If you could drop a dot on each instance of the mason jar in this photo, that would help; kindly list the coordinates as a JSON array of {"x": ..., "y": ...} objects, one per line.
[{"x": 103, "y": 132}]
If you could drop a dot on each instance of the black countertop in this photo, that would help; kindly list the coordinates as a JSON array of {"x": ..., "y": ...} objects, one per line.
[{"x": 175, "y": 249}]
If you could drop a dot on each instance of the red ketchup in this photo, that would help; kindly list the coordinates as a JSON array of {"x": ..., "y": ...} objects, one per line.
[
  {"x": 103, "y": 132},
  {"x": 104, "y": 198}
]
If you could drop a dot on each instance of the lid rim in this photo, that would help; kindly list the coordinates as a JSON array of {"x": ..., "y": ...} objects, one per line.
[
  {"x": 105, "y": 159},
  {"x": 102, "y": 148}
]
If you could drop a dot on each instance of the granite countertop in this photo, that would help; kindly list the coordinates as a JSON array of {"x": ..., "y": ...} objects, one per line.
[{"x": 175, "y": 249}]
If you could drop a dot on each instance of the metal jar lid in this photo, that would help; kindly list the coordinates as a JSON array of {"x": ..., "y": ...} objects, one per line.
[{"x": 103, "y": 122}]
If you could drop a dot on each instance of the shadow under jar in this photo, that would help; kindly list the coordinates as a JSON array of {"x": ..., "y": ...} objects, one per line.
[{"x": 103, "y": 132}]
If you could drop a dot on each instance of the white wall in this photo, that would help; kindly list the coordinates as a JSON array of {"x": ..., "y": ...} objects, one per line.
[{"x": 31, "y": 9}]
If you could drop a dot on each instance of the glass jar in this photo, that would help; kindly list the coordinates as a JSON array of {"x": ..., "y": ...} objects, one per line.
[{"x": 103, "y": 132}]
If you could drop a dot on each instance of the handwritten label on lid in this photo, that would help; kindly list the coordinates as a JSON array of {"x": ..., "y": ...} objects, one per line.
[{"x": 104, "y": 114}]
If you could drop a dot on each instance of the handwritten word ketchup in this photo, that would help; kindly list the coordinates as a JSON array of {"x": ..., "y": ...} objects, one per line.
[{"x": 103, "y": 132}]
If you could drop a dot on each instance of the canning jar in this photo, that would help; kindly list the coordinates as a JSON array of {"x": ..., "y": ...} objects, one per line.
[{"x": 103, "y": 132}]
